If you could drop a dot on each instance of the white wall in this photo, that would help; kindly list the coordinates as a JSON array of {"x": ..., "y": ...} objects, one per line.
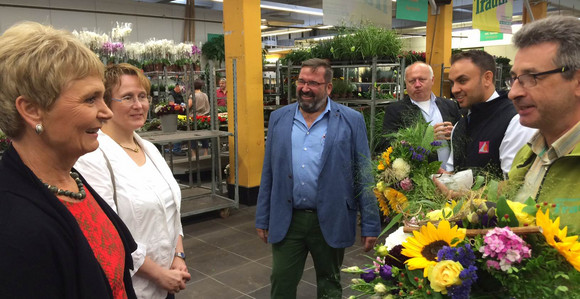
[{"x": 144, "y": 28}]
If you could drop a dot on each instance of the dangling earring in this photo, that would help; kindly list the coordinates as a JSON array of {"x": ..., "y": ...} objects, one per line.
[{"x": 39, "y": 129}]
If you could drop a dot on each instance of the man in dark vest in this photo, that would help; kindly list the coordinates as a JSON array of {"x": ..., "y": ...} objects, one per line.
[
  {"x": 489, "y": 134},
  {"x": 441, "y": 113}
]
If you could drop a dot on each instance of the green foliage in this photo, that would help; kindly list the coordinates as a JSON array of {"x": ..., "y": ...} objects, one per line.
[
  {"x": 296, "y": 56},
  {"x": 376, "y": 41},
  {"x": 215, "y": 49},
  {"x": 504, "y": 209},
  {"x": 378, "y": 129},
  {"x": 361, "y": 42},
  {"x": 341, "y": 87},
  {"x": 322, "y": 50}
]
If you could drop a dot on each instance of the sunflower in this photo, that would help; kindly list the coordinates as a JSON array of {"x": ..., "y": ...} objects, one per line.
[
  {"x": 397, "y": 200},
  {"x": 383, "y": 205},
  {"x": 568, "y": 247},
  {"x": 422, "y": 248}
]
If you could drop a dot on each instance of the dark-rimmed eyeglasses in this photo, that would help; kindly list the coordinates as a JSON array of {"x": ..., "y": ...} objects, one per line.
[
  {"x": 314, "y": 84},
  {"x": 130, "y": 100},
  {"x": 530, "y": 80}
]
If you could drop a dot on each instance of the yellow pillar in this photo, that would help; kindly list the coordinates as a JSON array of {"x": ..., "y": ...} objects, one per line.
[
  {"x": 243, "y": 43},
  {"x": 539, "y": 10},
  {"x": 438, "y": 47}
]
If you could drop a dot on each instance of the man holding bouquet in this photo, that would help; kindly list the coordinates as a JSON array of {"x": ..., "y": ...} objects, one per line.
[{"x": 441, "y": 113}]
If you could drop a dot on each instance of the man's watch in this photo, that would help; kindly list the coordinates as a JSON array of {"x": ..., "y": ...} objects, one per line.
[{"x": 180, "y": 255}]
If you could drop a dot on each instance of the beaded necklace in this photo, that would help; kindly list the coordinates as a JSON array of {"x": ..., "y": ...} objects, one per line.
[{"x": 74, "y": 195}]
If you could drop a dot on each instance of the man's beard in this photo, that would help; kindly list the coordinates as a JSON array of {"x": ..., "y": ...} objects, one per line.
[{"x": 310, "y": 107}]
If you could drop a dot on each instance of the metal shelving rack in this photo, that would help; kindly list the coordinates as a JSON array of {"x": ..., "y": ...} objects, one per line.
[
  {"x": 198, "y": 199},
  {"x": 285, "y": 75}
]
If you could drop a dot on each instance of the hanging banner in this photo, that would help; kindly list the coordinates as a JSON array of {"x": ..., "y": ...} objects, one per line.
[
  {"x": 415, "y": 10},
  {"x": 340, "y": 12},
  {"x": 493, "y": 15}
]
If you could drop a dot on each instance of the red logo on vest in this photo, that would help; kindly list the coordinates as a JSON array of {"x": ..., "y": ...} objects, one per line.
[{"x": 484, "y": 147}]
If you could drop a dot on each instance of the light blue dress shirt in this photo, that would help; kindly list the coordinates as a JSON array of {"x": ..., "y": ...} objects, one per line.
[
  {"x": 433, "y": 117},
  {"x": 307, "y": 146}
]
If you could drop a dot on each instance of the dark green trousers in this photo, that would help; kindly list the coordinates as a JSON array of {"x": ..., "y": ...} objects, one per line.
[{"x": 289, "y": 256}]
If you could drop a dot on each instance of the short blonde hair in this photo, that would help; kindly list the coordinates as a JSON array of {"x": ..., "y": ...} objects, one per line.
[
  {"x": 37, "y": 62},
  {"x": 113, "y": 75}
]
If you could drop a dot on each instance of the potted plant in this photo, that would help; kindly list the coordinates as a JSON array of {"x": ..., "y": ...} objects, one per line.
[
  {"x": 341, "y": 88},
  {"x": 214, "y": 49},
  {"x": 167, "y": 114}
]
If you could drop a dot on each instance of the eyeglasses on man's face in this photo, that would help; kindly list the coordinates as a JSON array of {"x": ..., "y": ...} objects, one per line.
[
  {"x": 530, "y": 80},
  {"x": 301, "y": 82},
  {"x": 130, "y": 100}
]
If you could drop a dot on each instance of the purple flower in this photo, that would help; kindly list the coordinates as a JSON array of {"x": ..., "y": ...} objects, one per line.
[
  {"x": 406, "y": 184},
  {"x": 436, "y": 143},
  {"x": 465, "y": 256},
  {"x": 417, "y": 157},
  {"x": 385, "y": 272},
  {"x": 468, "y": 276},
  {"x": 368, "y": 276}
]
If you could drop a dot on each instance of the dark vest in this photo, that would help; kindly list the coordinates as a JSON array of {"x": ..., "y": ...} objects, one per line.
[{"x": 477, "y": 137}]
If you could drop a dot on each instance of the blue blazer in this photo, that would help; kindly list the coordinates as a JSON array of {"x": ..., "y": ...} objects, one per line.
[{"x": 344, "y": 183}]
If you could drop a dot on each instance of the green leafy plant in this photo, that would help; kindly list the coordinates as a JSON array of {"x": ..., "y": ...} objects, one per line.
[
  {"x": 341, "y": 88},
  {"x": 297, "y": 56},
  {"x": 215, "y": 49}
]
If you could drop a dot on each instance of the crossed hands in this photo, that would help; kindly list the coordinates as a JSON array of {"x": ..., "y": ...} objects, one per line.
[{"x": 174, "y": 279}]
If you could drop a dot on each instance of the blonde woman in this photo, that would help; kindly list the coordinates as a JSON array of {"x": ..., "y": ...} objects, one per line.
[
  {"x": 58, "y": 237},
  {"x": 132, "y": 176}
]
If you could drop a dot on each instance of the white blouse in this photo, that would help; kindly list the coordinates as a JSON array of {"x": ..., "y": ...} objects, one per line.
[{"x": 148, "y": 201}]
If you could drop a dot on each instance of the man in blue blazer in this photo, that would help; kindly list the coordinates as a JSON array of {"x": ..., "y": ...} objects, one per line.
[{"x": 316, "y": 178}]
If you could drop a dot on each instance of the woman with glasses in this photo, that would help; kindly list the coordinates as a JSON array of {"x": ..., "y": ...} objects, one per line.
[{"x": 132, "y": 176}]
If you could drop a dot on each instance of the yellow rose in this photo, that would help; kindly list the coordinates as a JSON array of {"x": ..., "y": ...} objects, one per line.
[
  {"x": 443, "y": 214},
  {"x": 523, "y": 217},
  {"x": 444, "y": 274},
  {"x": 381, "y": 186}
]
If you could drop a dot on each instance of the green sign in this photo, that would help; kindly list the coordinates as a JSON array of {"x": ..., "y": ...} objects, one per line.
[
  {"x": 210, "y": 36},
  {"x": 487, "y": 35},
  {"x": 415, "y": 10}
]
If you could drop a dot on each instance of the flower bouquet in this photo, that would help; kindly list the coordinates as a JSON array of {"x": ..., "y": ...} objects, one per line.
[
  {"x": 521, "y": 254},
  {"x": 403, "y": 172}
]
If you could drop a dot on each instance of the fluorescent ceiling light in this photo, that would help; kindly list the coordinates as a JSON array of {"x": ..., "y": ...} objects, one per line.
[
  {"x": 284, "y": 31},
  {"x": 287, "y": 7},
  {"x": 277, "y": 50},
  {"x": 262, "y": 27}
]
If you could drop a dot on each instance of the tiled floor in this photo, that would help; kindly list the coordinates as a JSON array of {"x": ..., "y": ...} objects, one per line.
[{"x": 226, "y": 259}]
